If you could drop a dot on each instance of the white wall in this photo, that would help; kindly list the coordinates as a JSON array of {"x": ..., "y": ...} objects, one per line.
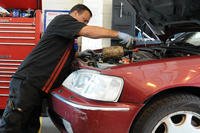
[
  {"x": 107, "y": 19},
  {"x": 59, "y": 4},
  {"x": 102, "y": 16}
]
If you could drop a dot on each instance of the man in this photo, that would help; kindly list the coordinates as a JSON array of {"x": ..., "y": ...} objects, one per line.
[{"x": 43, "y": 68}]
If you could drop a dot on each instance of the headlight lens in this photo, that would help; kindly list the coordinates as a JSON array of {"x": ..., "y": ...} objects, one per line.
[{"x": 93, "y": 85}]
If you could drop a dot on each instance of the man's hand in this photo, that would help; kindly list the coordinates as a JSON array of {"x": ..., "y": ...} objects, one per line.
[
  {"x": 85, "y": 53},
  {"x": 126, "y": 39}
]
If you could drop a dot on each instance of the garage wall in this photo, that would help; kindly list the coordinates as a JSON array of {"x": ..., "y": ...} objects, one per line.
[
  {"x": 59, "y": 4},
  {"x": 107, "y": 19},
  {"x": 102, "y": 15}
]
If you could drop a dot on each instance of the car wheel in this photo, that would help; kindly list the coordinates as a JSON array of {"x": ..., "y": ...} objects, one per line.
[{"x": 179, "y": 113}]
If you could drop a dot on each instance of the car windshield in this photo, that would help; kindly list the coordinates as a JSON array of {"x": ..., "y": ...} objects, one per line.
[{"x": 189, "y": 38}]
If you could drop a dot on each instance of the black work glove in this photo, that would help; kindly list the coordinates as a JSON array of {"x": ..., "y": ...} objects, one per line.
[{"x": 88, "y": 53}]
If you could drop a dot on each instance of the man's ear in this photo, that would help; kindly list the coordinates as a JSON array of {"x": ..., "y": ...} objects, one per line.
[{"x": 76, "y": 13}]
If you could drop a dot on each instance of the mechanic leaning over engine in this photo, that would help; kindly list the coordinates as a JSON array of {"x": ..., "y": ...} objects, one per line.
[{"x": 47, "y": 66}]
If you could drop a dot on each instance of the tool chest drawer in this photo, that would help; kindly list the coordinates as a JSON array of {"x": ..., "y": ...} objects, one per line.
[
  {"x": 18, "y": 36},
  {"x": 18, "y": 30}
]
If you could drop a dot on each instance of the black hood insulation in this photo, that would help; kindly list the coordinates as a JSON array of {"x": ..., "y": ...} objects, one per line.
[{"x": 167, "y": 17}]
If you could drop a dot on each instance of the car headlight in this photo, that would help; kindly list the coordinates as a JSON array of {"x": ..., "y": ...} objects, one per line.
[{"x": 93, "y": 85}]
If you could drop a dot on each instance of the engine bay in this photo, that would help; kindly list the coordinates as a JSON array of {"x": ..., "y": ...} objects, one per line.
[{"x": 117, "y": 55}]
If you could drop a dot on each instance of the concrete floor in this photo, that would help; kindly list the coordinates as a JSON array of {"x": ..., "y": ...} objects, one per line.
[{"x": 47, "y": 126}]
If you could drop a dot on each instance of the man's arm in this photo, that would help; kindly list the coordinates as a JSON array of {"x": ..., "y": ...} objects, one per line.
[{"x": 98, "y": 32}]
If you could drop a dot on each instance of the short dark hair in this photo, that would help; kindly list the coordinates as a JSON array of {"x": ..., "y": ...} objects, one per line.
[{"x": 80, "y": 8}]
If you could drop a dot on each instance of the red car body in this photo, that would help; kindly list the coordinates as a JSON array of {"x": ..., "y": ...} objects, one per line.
[{"x": 142, "y": 82}]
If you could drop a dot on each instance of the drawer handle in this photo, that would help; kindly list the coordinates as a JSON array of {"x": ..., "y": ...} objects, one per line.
[{"x": 5, "y": 56}]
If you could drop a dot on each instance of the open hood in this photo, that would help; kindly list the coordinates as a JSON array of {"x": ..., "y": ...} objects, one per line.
[
  {"x": 167, "y": 17},
  {"x": 21, "y": 4}
]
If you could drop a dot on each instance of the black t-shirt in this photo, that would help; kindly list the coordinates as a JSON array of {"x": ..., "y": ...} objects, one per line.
[{"x": 40, "y": 63}]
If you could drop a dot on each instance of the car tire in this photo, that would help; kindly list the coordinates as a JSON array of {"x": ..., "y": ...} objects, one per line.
[{"x": 170, "y": 114}]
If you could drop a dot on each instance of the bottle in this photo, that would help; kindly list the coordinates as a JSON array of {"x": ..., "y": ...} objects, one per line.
[
  {"x": 139, "y": 35},
  {"x": 75, "y": 47}
]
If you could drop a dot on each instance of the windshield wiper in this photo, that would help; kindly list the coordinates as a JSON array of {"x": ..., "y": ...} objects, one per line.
[{"x": 191, "y": 50}]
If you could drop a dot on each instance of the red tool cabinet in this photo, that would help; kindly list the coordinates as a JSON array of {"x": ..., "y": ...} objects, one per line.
[{"x": 18, "y": 36}]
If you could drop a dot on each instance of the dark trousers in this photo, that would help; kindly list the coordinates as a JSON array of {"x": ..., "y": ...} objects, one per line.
[{"x": 23, "y": 108}]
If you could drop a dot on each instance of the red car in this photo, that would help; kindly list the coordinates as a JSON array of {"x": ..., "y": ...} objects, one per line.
[{"x": 150, "y": 89}]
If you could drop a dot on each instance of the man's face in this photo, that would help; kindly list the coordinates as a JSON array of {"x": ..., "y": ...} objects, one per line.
[{"x": 83, "y": 17}]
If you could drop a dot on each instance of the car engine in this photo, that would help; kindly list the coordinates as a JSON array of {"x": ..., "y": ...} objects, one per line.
[{"x": 117, "y": 55}]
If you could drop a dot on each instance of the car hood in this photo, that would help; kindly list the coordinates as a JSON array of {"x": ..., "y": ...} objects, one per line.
[{"x": 167, "y": 17}]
